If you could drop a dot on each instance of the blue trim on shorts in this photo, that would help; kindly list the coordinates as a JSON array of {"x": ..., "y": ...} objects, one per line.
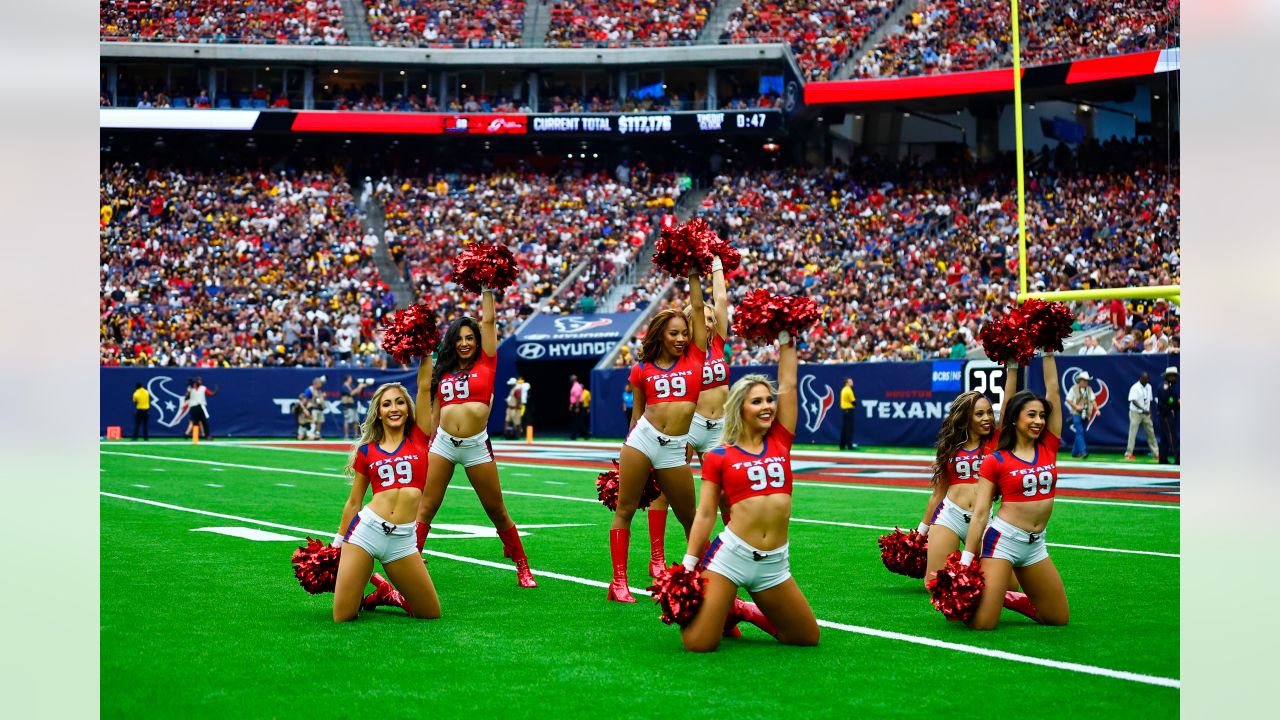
[
  {"x": 936, "y": 512},
  {"x": 711, "y": 551},
  {"x": 989, "y": 541},
  {"x": 351, "y": 527}
]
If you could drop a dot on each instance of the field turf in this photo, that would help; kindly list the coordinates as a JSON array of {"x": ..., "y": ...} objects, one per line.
[{"x": 197, "y": 623}]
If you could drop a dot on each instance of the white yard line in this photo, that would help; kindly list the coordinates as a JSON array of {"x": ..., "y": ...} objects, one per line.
[
  {"x": 834, "y": 485},
  {"x": 570, "y": 498},
  {"x": 856, "y": 629}
]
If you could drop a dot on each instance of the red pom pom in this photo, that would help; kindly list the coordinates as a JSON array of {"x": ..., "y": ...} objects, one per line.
[
  {"x": 411, "y": 333},
  {"x": 1046, "y": 324},
  {"x": 761, "y": 316},
  {"x": 956, "y": 589},
  {"x": 607, "y": 488},
  {"x": 683, "y": 248},
  {"x": 1005, "y": 340},
  {"x": 730, "y": 258},
  {"x": 905, "y": 553},
  {"x": 485, "y": 265},
  {"x": 316, "y": 566},
  {"x": 679, "y": 592}
]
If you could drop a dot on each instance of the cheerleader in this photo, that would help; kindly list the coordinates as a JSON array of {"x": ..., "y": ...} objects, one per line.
[
  {"x": 708, "y": 417},
  {"x": 968, "y": 435},
  {"x": 463, "y": 384},
  {"x": 390, "y": 456},
  {"x": 1023, "y": 472},
  {"x": 668, "y": 381},
  {"x": 753, "y": 470}
]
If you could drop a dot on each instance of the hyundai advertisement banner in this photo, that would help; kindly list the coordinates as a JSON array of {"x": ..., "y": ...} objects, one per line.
[{"x": 564, "y": 337}]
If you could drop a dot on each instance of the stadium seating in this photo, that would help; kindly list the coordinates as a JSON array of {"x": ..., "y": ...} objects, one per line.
[
  {"x": 445, "y": 23},
  {"x": 552, "y": 222},
  {"x": 233, "y": 268},
  {"x": 626, "y": 23},
  {"x": 291, "y": 22},
  {"x": 822, "y": 33}
]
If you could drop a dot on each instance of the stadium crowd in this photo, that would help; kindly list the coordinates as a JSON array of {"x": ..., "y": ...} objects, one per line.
[
  {"x": 626, "y": 23},
  {"x": 445, "y": 23},
  {"x": 280, "y": 22},
  {"x": 910, "y": 265},
  {"x": 551, "y": 222},
  {"x": 822, "y": 33},
  {"x": 943, "y": 36},
  {"x": 233, "y": 268}
]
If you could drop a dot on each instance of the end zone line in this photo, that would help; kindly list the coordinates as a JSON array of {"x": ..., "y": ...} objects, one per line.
[
  {"x": 548, "y": 496},
  {"x": 856, "y": 629}
]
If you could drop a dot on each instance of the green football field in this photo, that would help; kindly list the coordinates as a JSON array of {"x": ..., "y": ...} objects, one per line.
[{"x": 198, "y": 621}]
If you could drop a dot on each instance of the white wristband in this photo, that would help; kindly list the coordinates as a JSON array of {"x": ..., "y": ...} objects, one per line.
[
  {"x": 337, "y": 540},
  {"x": 923, "y": 528},
  {"x": 966, "y": 558},
  {"x": 690, "y": 562},
  {"x": 717, "y": 265},
  {"x": 784, "y": 337}
]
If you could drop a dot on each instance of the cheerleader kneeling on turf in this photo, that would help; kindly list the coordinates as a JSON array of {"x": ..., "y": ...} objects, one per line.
[
  {"x": 969, "y": 434},
  {"x": 390, "y": 456},
  {"x": 1023, "y": 471},
  {"x": 668, "y": 381},
  {"x": 753, "y": 470}
]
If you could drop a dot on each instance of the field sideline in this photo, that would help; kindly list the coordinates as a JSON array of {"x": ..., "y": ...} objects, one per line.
[{"x": 201, "y": 614}]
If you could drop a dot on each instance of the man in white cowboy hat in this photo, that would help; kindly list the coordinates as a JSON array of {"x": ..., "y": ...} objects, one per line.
[
  {"x": 1083, "y": 404},
  {"x": 1169, "y": 402}
]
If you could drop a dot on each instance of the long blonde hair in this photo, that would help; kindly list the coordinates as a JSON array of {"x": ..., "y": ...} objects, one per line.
[
  {"x": 734, "y": 402},
  {"x": 371, "y": 429}
]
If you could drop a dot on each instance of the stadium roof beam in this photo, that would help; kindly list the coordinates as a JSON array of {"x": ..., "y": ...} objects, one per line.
[{"x": 497, "y": 57}]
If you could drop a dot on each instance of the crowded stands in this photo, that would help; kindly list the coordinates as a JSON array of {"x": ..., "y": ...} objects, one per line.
[
  {"x": 552, "y": 222},
  {"x": 822, "y": 34},
  {"x": 280, "y": 22},
  {"x": 943, "y": 36},
  {"x": 234, "y": 268},
  {"x": 909, "y": 264},
  {"x": 626, "y": 23},
  {"x": 445, "y": 23}
]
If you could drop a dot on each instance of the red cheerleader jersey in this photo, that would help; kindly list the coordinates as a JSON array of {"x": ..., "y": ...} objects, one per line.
[
  {"x": 1020, "y": 481},
  {"x": 743, "y": 475},
  {"x": 404, "y": 468},
  {"x": 965, "y": 464},
  {"x": 682, "y": 382},
  {"x": 474, "y": 385},
  {"x": 715, "y": 371}
]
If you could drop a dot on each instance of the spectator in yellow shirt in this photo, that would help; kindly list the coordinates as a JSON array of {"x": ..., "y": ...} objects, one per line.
[
  {"x": 847, "y": 404},
  {"x": 141, "y": 412},
  {"x": 586, "y": 414}
]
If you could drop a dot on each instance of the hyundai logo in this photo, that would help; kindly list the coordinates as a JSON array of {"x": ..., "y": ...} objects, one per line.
[{"x": 531, "y": 351}]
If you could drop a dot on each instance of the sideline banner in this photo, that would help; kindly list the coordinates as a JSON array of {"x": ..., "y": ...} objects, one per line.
[
  {"x": 250, "y": 402},
  {"x": 903, "y": 403}
]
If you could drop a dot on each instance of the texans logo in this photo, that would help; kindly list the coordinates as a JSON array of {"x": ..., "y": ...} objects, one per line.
[
  {"x": 1100, "y": 392},
  {"x": 815, "y": 405},
  {"x": 166, "y": 405},
  {"x": 577, "y": 323}
]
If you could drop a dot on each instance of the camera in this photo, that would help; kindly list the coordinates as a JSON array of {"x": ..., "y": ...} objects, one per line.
[{"x": 367, "y": 381}]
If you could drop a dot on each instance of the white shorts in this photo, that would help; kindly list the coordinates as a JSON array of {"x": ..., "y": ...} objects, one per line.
[
  {"x": 746, "y": 566},
  {"x": 381, "y": 539},
  {"x": 1006, "y": 541},
  {"x": 953, "y": 517},
  {"x": 468, "y": 451},
  {"x": 705, "y": 434},
  {"x": 663, "y": 451}
]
